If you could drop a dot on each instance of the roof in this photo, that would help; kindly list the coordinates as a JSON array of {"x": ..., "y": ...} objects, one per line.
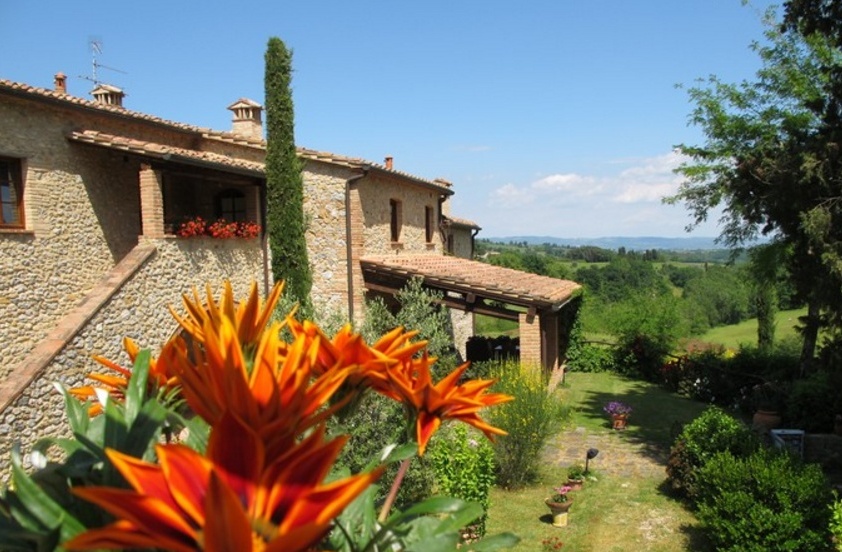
[
  {"x": 357, "y": 163},
  {"x": 167, "y": 153},
  {"x": 52, "y": 96},
  {"x": 473, "y": 277},
  {"x": 463, "y": 222}
]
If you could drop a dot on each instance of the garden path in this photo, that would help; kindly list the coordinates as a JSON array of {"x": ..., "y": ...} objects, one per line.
[
  {"x": 624, "y": 458},
  {"x": 619, "y": 456}
]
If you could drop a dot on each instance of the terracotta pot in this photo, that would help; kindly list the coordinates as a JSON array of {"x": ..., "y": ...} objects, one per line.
[
  {"x": 575, "y": 484},
  {"x": 559, "y": 511},
  {"x": 619, "y": 421},
  {"x": 766, "y": 419}
]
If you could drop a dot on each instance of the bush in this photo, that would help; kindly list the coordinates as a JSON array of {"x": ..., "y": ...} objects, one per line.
[
  {"x": 589, "y": 357},
  {"x": 529, "y": 420},
  {"x": 710, "y": 433},
  {"x": 810, "y": 404},
  {"x": 647, "y": 328},
  {"x": 378, "y": 420},
  {"x": 767, "y": 502},
  {"x": 463, "y": 464},
  {"x": 836, "y": 523}
]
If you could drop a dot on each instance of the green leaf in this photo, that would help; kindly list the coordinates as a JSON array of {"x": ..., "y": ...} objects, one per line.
[
  {"x": 434, "y": 505},
  {"x": 145, "y": 430},
  {"x": 40, "y": 506},
  {"x": 76, "y": 410},
  {"x": 437, "y": 543},
  {"x": 136, "y": 389}
]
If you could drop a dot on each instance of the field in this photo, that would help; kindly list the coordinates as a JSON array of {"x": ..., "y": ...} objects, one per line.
[{"x": 746, "y": 332}]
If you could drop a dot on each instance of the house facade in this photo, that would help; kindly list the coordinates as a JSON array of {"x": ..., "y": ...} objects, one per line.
[{"x": 93, "y": 195}]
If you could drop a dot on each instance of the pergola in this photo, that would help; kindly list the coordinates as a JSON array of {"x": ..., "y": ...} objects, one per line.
[{"x": 543, "y": 306}]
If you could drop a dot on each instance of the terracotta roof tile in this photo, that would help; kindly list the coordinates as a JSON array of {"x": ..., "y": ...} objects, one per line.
[
  {"x": 20, "y": 89},
  {"x": 362, "y": 164},
  {"x": 154, "y": 149},
  {"x": 463, "y": 275},
  {"x": 463, "y": 222}
]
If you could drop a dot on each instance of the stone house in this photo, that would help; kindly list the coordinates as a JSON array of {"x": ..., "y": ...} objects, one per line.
[{"x": 91, "y": 194}]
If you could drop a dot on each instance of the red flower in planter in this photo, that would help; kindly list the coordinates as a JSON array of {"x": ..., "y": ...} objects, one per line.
[{"x": 220, "y": 229}]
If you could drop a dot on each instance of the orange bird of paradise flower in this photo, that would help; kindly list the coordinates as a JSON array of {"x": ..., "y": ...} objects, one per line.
[
  {"x": 274, "y": 393},
  {"x": 250, "y": 317},
  {"x": 115, "y": 385},
  {"x": 237, "y": 499},
  {"x": 367, "y": 363},
  {"x": 411, "y": 383}
]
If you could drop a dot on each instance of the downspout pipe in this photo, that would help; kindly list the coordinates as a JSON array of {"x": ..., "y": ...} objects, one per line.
[
  {"x": 348, "y": 247},
  {"x": 473, "y": 241}
]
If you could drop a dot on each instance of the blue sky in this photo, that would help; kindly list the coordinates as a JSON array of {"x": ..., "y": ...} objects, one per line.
[{"x": 550, "y": 117}]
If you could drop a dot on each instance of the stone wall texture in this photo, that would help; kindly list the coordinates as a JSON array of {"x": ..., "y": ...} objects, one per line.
[
  {"x": 139, "y": 311},
  {"x": 324, "y": 208},
  {"x": 375, "y": 193}
]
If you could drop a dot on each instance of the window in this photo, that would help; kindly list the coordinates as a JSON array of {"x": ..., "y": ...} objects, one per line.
[
  {"x": 231, "y": 206},
  {"x": 429, "y": 223},
  {"x": 395, "y": 219},
  {"x": 11, "y": 192}
]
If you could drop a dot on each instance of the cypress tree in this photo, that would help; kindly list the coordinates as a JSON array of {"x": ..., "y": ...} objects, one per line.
[{"x": 284, "y": 183}]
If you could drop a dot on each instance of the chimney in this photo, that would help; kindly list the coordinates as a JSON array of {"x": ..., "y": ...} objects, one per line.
[
  {"x": 247, "y": 119},
  {"x": 108, "y": 95},
  {"x": 60, "y": 83},
  {"x": 389, "y": 163}
]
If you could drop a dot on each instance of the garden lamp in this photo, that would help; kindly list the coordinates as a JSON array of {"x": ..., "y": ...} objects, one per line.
[{"x": 590, "y": 455}]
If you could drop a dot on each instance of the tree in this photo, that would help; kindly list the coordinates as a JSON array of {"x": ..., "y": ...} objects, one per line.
[
  {"x": 284, "y": 183},
  {"x": 768, "y": 161}
]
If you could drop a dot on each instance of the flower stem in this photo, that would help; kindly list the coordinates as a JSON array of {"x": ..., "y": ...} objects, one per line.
[{"x": 393, "y": 492}]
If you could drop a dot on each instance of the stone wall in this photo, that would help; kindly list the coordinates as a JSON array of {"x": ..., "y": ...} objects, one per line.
[
  {"x": 82, "y": 211},
  {"x": 375, "y": 194},
  {"x": 462, "y": 242},
  {"x": 324, "y": 211},
  {"x": 81, "y": 216},
  {"x": 138, "y": 310}
]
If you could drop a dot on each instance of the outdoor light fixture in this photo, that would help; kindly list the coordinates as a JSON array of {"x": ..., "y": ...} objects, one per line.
[{"x": 591, "y": 454}]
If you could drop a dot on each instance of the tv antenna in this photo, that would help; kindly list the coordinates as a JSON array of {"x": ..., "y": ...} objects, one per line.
[{"x": 96, "y": 49}]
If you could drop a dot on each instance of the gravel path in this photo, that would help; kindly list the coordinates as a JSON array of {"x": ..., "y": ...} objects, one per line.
[{"x": 617, "y": 455}]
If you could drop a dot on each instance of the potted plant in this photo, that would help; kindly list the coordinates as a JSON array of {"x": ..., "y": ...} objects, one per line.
[
  {"x": 768, "y": 402},
  {"x": 619, "y": 412},
  {"x": 559, "y": 503},
  {"x": 575, "y": 477}
]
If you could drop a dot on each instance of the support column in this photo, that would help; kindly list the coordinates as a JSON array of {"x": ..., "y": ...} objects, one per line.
[
  {"x": 551, "y": 341},
  {"x": 530, "y": 339},
  {"x": 151, "y": 202}
]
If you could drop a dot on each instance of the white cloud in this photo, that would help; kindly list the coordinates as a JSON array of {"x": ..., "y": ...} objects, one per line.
[{"x": 625, "y": 201}]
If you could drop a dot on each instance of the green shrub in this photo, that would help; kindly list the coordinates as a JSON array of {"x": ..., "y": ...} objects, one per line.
[
  {"x": 710, "y": 433},
  {"x": 529, "y": 420},
  {"x": 767, "y": 502},
  {"x": 463, "y": 464},
  {"x": 378, "y": 420},
  {"x": 810, "y": 403},
  {"x": 589, "y": 357},
  {"x": 836, "y": 523}
]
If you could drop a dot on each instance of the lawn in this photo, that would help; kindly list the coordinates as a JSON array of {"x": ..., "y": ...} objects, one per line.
[
  {"x": 618, "y": 512},
  {"x": 746, "y": 332}
]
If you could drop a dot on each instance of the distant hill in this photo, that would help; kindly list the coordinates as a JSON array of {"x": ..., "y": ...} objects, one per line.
[{"x": 614, "y": 243}]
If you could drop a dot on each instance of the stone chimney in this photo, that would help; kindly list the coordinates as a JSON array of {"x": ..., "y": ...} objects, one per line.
[
  {"x": 247, "y": 118},
  {"x": 389, "y": 163},
  {"x": 60, "y": 83},
  {"x": 108, "y": 95}
]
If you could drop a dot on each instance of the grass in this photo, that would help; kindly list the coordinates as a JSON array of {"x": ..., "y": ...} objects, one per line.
[
  {"x": 746, "y": 332},
  {"x": 617, "y": 512}
]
